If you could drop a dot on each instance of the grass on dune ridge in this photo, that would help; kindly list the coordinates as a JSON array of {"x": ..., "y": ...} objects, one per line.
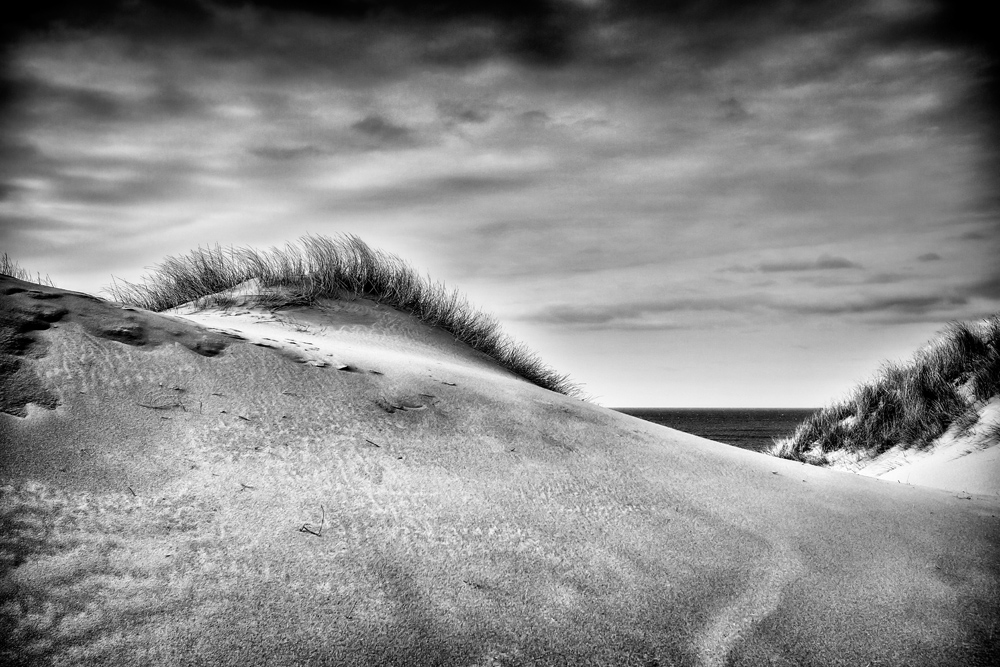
[
  {"x": 9, "y": 267},
  {"x": 344, "y": 267},
  {"x": 944, "y": 385}
]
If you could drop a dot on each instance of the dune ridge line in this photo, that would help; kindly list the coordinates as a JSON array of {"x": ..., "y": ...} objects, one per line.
[{"x": 342, "y": 267}]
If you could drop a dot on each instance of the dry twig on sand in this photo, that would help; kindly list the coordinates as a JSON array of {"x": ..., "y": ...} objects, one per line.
[{"x": 306, "y": 528}]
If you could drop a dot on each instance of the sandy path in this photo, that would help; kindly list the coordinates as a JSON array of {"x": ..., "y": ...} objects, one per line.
[{"x": 760, "y": 597}]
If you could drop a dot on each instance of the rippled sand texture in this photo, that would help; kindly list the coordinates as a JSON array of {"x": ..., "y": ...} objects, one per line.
[{"x": 342, "y": 485}]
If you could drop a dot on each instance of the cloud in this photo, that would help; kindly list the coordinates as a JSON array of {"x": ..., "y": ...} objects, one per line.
[
  {"x": 456, "y": 33},
  {"x": 988, "y": 287},
  {"x": 929, "y": 257},
  {"x": 430, "y": 190},
  {"x": 102, "y": 102},
  {"x": 462, "y": 112},
  {"x": 740, "y": 304},
  {"x": 541, "y": 33},
  {"x": 477, "y": 183},
  {"x": 32, "y": 95},
  {"x": 535, "y": 118},
  {"x": 32, "y": 226},
  {"x": 285, "y": 153},
  {"x": 170, "y": 99},
  {"x": 641, "y": 315},
  {"x": 888, "y": 308},
  {"x": 733, "y": 111},
  {"x": 546, "y": 33},
  {"x": 822, "y": 263},
  {"x": 384, "y": 131},
  {"x": 884, "y": 279},
  {"x": 632, "y": 122}
]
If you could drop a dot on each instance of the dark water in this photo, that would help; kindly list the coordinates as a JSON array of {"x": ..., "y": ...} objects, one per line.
[{"x": 749, "y": 428}]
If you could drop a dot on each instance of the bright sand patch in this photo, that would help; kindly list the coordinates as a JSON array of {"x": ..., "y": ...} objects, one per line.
[
  {"x": 343, "y": 485},
  {"x": 966, "y": 464}
]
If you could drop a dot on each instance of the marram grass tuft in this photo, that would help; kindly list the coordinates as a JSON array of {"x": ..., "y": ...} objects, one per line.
[
  {"x": 342, "y": 267},
  {"x": 9, "y": 267},
  {"x": 943, "y": 386}
]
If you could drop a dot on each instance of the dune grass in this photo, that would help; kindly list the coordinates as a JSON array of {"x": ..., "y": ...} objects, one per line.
[
  {"x": 344, "y": 268},
  {"x": 943, "y": 386},
  {"x": 9, "y": 267}
]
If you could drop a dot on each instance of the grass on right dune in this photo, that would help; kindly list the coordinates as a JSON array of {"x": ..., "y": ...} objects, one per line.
[{"x": 944, "y": 385}]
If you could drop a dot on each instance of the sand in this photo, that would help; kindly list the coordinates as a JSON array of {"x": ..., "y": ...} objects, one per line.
[{"x": 343, "y": 485}]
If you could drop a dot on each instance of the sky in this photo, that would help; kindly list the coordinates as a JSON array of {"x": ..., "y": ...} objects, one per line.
[{"x": 679, "y": 204}]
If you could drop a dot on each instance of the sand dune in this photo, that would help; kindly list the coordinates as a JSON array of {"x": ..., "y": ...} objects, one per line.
[
  {"x": 967, "y": 462},
  {"x": 344, "y": 485},
  {"x": 933, "y": 420}
]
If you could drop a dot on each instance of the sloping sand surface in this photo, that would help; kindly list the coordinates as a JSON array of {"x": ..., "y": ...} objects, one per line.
[
  {"x": 973, "y": 472},
  {"x": 967, "y": 463},
  {"x": 342, "y": 485}
]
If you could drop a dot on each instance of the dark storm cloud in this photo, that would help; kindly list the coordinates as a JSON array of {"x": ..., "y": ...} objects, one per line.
[
  {"x": 537, "y": 31},
  {"x": 615, "y": 37},
  {"x": 547, "y": 29},
  {"x": 963, "y": 24}
]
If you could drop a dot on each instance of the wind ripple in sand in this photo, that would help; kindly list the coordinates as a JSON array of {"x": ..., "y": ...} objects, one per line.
[
  {"x": 759, "y": 599},
  {"x": 300, "y": 349}
]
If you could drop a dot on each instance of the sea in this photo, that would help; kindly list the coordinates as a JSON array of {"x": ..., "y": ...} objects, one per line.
[{"x": 749, "y": 428}]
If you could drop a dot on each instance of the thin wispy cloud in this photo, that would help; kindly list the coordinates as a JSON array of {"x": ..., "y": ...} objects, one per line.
[
  {"x": 821, "y": 263},
  {"x": 283, "y": 153},
  {"x": 752, "y": 307},
  {"x": 824, "y": 262}
]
